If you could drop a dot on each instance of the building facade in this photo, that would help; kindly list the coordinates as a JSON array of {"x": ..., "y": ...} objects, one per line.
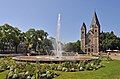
[{"x": 90, "y": 42}]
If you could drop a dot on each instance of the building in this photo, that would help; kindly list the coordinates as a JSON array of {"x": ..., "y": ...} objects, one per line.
[{"x": 90, "y": 40}]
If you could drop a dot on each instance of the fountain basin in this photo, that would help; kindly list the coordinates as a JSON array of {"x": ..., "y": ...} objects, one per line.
[{"x": 53, "y": 58}]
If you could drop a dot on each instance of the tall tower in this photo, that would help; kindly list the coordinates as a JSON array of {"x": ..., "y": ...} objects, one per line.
[
  {"x": 83, "y": 37},
  {"x": 95, "y": 26}
]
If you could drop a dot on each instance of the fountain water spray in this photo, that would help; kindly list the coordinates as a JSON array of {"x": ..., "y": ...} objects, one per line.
[
  {"x": 58, "y": 52},
  {"x": 58, "y": 43}
]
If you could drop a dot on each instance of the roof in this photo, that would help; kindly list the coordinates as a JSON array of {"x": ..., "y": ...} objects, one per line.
[
  {"x": 83, "y": 26},
  {"x": 95, "y": 19}
]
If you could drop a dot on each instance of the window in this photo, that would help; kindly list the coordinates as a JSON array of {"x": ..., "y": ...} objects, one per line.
[
  {"x": 82, "y": 32},
  {"x": 85, "y": 50},
  {"x": 92, "y": 50},
  {"x": 89, "y": 40},
  {"x": 88, "y": 49},
  {"x": 95, "y": 30}
]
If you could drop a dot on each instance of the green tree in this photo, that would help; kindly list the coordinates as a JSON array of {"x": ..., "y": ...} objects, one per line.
[
  {"x": 35, "y": 40},
  {"x": 9, "y": 37},
  {"x": 108, "y": 40},
  {"x": 72, "y": 47}
]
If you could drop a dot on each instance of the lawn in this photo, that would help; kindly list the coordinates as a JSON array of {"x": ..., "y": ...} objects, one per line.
[
  {"x": 3, "y": 74},
  {"x": 110, "y": 71}
]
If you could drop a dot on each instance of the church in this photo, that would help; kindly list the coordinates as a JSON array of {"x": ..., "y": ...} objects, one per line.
[{"x": 90, "y": 42}]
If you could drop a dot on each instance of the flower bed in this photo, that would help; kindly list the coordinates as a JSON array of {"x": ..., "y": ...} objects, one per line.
[
  {"x": 75, "y": 67},
  {"x": 26, "y": 70},
  {"x": 5, "y": 64},
  {"x": 30, "y": 71}
]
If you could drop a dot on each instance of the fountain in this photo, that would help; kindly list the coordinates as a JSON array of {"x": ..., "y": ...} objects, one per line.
[
  {"x": 58, "y": 43},
  {"x": 58, "y": 52},
  {"x": 58, "y": 57}
]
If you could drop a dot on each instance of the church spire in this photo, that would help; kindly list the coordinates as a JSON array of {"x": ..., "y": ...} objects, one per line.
[
  {"x": 83, "y": 26},
  {"x": 95, "y": 19}
]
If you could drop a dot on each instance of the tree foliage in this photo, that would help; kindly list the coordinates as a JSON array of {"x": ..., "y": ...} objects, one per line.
[
  {"x": 72, "y": 47},
  {"x": 11, "y": 37},
  {"x": 108, "y": 40},
  {"x": 37, "y": 41}
]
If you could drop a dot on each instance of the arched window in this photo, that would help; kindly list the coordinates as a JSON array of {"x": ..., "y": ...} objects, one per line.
[{"x": 88, "y": 49}]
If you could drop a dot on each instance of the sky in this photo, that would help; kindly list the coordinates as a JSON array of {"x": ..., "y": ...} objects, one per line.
[{"x": 43, "y": 14}]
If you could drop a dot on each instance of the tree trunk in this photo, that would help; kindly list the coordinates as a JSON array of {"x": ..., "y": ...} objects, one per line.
[
  {"x": 3, "y": 47},
  {"x": 16, "y": 49}
]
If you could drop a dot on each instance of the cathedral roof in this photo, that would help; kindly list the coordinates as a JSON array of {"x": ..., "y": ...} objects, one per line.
[
  {"x": 95, "y": 19},
  {"x": 83, "y": 26}
]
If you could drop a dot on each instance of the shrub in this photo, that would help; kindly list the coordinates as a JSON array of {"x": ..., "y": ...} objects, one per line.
[{"x": 106, "y": 58}]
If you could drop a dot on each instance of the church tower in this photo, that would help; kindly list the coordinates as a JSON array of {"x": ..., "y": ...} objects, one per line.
[
  {"x": 96, "y": 33},
  {"x": 83, "y": 36},
  {"x": 90, "y": 40}
]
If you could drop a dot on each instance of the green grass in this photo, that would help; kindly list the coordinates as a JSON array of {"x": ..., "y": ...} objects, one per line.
[
  {"x": 3, "y": 74},
  {"x": 110, "y": 71}
]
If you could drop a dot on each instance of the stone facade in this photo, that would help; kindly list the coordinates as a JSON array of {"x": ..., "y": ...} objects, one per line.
[{"x": 90, "y": 40}]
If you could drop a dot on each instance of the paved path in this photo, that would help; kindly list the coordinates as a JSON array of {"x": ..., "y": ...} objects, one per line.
[{"x": 116, "y": 57}]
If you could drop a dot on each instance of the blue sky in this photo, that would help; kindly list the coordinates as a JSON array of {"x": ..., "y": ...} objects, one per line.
[{"x": 42, "y": 14}]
